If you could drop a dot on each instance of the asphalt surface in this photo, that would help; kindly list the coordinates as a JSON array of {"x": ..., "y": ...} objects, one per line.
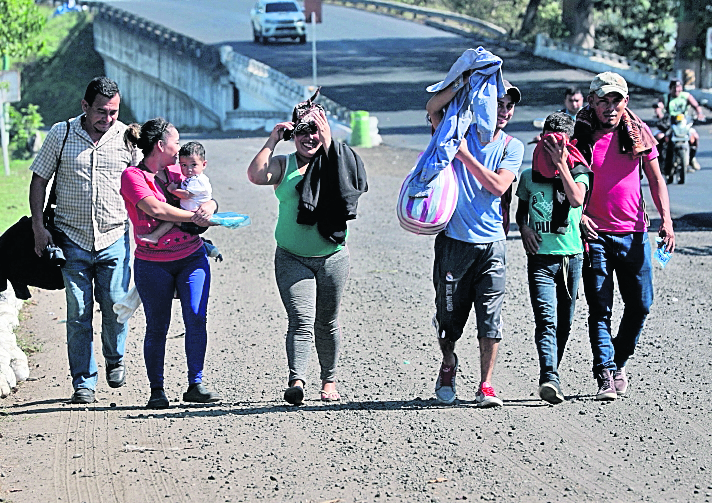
[{"x": 367, "y": 61}]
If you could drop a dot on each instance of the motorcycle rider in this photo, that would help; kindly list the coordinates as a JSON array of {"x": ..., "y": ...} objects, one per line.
[{"x": 674, "y": 103}]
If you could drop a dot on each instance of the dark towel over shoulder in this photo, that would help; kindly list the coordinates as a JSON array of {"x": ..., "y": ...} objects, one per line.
[{"x": 330, "y": 189}]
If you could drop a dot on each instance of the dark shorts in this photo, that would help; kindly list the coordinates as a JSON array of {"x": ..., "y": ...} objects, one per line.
[{"x": 467, "y": 274}]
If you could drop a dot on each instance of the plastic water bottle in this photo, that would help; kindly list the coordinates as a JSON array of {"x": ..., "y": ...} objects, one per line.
[{"x": 661, "y": 254}]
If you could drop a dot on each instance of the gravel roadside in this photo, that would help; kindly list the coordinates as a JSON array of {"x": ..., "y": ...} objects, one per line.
[{"x": 387, "y": 440}]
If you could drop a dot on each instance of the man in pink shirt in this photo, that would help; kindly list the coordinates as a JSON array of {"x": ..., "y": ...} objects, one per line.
[{"x": 619, "y": 146}]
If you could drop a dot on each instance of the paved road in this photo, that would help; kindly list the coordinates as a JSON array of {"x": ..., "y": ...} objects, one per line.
[{"x": 382, "y": 64}]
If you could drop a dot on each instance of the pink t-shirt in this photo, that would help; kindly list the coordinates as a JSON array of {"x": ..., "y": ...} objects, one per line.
[
  {"x": 616, "y": 199},
  {"x": 137, "y": 184}
]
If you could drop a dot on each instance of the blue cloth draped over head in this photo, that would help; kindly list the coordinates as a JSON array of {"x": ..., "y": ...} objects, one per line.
[{"x": 474, "y": 106}]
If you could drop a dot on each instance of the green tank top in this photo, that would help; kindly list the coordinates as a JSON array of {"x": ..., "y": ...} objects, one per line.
[
  {"x": 678, "y": 105},
  {"x": 301, "y": 240}
]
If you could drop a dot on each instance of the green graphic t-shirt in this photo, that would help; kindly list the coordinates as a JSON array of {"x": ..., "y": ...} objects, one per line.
[{"x": 540, "y": 200}]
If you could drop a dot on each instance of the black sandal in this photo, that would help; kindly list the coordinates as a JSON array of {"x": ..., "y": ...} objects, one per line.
[{"x": 294, "y": 395}]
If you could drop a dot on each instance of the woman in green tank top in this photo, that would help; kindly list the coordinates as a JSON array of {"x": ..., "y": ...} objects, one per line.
[{"x": 311, "y": 270}]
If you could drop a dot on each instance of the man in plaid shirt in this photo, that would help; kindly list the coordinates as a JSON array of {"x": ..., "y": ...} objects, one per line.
[{"x": 93, "y": 229}]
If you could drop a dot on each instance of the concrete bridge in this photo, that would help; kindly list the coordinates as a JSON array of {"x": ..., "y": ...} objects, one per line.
[{"x": 194, "y": 85}]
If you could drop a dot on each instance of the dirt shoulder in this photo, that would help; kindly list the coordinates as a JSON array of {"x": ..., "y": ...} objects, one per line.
[{"x": 387, "y": 441}]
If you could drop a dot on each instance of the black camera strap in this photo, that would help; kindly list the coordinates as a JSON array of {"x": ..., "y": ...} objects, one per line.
[{"x": 52, "y": 200}]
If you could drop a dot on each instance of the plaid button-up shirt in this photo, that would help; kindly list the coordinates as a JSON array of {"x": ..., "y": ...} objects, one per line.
[{"x": 90, "y": 209}]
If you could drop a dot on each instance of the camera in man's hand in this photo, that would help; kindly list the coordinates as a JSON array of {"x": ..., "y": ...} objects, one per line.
[{"x": 54, "y": 254}]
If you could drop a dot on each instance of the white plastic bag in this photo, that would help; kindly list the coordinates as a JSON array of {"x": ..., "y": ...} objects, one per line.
[{"x": 126, "y": 306}]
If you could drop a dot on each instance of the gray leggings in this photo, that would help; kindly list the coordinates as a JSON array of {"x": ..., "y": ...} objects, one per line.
[{"x": 311, "y": 289}]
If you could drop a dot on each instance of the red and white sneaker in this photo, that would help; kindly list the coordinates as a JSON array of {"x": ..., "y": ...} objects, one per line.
[{"x": 486, "y": 397}]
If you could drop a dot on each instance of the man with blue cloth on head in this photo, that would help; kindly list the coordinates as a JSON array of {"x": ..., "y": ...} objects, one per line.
[{"x": 471, "y": 108}]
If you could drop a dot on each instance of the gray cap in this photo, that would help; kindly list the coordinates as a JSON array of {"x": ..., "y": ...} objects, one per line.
[{"x": 608, "y": 82}]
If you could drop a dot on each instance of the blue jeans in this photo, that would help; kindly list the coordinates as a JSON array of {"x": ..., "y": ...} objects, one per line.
[
  {"x": 552, "y": 288},
  {"x": 156, "y": 282},
  {"x": 102, "y": 275},
  {"x": 630, "y": 257}
]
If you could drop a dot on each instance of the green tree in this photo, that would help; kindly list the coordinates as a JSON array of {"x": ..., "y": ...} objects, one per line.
[
  {"x": 24, "y": 125},
  {"x": 21, "y": 22},
  {"x": 641, "y": 30},
  {"x": 695, "y": 17}
]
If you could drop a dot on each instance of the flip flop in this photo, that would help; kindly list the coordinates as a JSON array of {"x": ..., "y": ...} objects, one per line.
[{"x": 330, "y": 396}]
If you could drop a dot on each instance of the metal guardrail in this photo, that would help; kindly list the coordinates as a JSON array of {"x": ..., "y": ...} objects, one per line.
[
  {"x": 596, "y": 61},
  {"x": 399, "y": 9}
]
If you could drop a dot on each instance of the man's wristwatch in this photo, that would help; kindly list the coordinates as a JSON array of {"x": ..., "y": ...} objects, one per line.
[{"x": 459, "y": 82}]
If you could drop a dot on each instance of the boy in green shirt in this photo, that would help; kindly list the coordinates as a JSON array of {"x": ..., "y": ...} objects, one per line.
[{"x": 551, "y": 199}]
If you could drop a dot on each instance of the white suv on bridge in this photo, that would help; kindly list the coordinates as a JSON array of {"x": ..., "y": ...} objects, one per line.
[{"x": 278, "y": 19}]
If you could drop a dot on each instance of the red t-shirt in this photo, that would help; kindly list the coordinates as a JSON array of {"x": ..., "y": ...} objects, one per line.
[
  {"x": 616, "y": 197},
  {"x": 137, "y": 184}
]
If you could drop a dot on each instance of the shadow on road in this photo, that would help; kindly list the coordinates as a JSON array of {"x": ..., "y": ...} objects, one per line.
[{"x": 252, "y": 408}]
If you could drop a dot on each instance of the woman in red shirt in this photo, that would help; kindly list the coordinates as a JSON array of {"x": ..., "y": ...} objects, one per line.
[{"x": 177, "y": 263}]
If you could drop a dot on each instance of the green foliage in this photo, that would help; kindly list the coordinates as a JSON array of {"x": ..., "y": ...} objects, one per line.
[
  {"x": 642, "y": 30},
  {"x": 56, "y": 80},
  {"x": 14, "y": 194},
  {"x": 699, "y": 14},
  {"x": 21, "y": 22},
  {"x": 24, "y": 125},
  {"x": 504, "y": 13},
  {"x": 548, "y": 21},
  {"x": 27, "y": 344}
]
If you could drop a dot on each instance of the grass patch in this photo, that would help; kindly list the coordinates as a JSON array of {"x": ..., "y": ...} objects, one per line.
[
  {"x": 27, "y": 345},
  {"x": 26, "y": 340},
  {"x": 14, "y": 193},
  {"x": 57, "y": 78}
]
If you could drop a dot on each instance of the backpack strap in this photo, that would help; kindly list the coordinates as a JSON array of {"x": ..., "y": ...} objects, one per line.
[
  {"x": 507, "y": 139},
  {"x": 506, "y": 199}
]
